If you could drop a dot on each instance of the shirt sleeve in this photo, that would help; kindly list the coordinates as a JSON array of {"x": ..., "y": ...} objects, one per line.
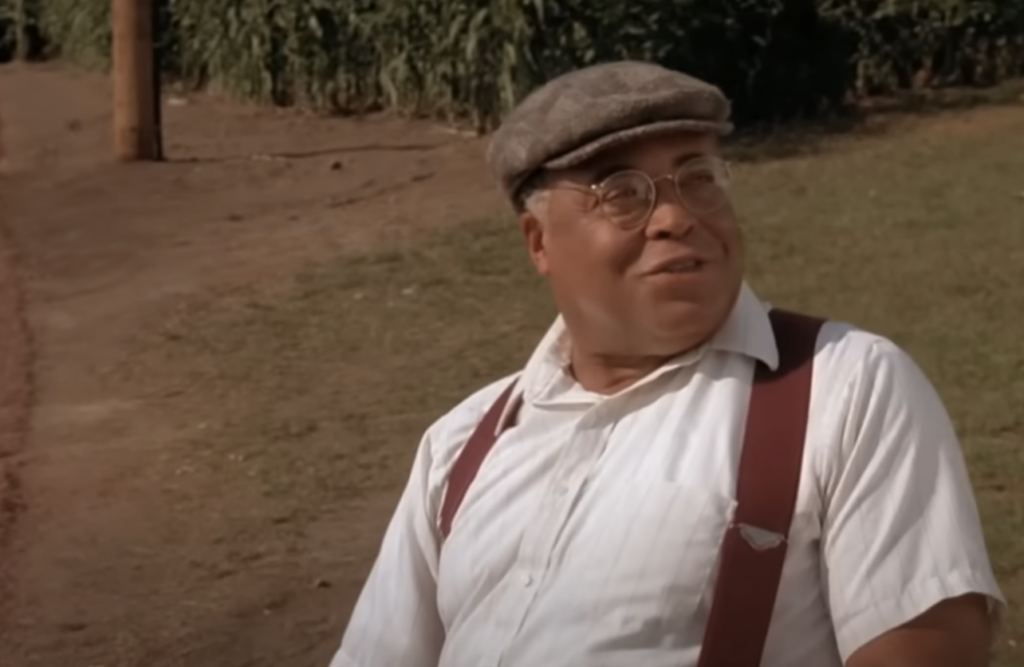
[
  {"x": 901, "y": 529},
  {"x": 395, "y": 622}
]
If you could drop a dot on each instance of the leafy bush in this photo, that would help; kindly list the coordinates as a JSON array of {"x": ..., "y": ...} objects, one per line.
[{"x": 470, "y": 60}]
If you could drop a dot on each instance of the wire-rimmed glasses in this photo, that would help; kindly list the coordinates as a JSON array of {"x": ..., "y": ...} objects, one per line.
[{"x": 627, "y": 198}]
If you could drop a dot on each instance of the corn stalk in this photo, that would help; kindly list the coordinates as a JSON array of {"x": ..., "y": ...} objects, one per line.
[{"x": 468, "y": 61}]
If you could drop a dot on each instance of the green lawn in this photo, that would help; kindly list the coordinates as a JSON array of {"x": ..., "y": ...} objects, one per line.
[{"x": 918, "y": 234}]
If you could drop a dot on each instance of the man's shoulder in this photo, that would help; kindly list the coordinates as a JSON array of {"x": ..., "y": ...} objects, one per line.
[
  {"x": 474, "y": 406},
  {"x": 843, "y": 347},
  {"x": 860, "y": 377},
  {"x": 449, "y": 433},
  {"x": 872, "y": 406},
  {"x": 847, "y": 350}
]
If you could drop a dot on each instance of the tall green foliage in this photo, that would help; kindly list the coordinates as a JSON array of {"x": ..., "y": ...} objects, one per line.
[
  {"x": 469, "y": 60},
  {"x": 912, "y": 43},
  {"x": 19, "y": 29}
]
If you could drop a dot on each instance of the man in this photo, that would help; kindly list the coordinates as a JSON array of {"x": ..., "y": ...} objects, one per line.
[{"x": 591, "y": 532}]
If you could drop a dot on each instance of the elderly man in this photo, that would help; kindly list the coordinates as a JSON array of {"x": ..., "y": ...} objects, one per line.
[{"x": 680, "y": 475}]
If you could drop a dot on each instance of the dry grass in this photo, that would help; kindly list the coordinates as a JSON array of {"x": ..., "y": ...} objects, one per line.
[{"x": 323, "y": 390}]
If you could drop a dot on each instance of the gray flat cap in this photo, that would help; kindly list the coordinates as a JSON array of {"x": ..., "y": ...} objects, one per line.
[{"x": 577, "y": 115}]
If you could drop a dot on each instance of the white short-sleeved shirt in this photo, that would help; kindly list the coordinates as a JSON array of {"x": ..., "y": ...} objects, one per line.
[{"x": 590, "y": 535}]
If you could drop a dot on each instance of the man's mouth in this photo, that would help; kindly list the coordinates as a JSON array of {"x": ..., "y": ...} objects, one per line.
[{"x": 682, "y": 266}]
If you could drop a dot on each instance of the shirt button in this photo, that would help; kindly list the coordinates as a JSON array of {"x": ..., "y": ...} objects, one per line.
[{"x": 527, "y": 580}]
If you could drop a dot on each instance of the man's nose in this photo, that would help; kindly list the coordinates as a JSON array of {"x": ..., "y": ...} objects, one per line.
[{"x": 669, "y": 219}]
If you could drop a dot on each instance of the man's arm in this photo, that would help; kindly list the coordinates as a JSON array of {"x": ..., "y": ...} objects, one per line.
[
  {"x": 905, "y": 565},
  {"x": 956, "y": 632},
  {"x": 395, "y": 622}
]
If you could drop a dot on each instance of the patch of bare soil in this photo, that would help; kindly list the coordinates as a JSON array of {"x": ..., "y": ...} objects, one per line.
[
  {"x": 15, "y": 387},
  {"x": 122, "y": 554}
]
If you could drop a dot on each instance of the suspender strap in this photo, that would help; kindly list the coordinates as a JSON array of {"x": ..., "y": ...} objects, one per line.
[
  {"x": 472, "y": 457},
  {"x": 754, "y": 548}
]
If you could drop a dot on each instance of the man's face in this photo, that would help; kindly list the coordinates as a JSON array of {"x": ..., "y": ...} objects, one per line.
[{"x": 611, "y": 280}]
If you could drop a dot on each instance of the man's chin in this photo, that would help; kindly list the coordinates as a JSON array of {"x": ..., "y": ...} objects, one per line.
[{"x": 685, "y": 323}]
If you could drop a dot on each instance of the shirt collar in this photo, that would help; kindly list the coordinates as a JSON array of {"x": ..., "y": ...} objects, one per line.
[{"x": 747, "y": 331}]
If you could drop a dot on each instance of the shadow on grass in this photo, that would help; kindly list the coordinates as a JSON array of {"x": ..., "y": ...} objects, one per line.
[
  {"x": 875, "y": 117},
  {"x": 333, "y": 151}
]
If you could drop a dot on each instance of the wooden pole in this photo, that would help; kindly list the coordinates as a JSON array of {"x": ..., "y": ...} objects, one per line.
[
  {"x": 136, "y": 133},
  {"x": 157, "y": 80}
]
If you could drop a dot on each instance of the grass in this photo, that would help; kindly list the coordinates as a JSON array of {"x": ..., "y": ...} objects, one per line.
[{"x": 323, "y": 392}]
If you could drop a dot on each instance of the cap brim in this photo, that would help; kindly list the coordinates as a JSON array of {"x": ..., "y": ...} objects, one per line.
[{"x": 585, "y": 152}]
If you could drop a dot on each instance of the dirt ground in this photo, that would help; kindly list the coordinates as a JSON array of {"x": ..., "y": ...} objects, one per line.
[{"x": 106, "y": 569}]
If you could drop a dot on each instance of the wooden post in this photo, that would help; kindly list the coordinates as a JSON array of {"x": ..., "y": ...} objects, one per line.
[
  {"x": 136, "y": 133},
  {"x": 157, "y": 79}
]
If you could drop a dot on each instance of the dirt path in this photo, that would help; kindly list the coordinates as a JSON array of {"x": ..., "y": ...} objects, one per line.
[
  {"x": 15, "y": 388},
  {"x": 121, "y": 555}
]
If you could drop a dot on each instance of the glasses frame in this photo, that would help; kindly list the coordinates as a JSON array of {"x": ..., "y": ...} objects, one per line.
[{"x": 721, "y": 168}]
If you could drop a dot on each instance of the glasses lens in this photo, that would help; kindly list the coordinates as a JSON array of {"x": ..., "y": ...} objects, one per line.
[
  {"x": 703, "y": 185},
  {"x": 626, "y": 198}
]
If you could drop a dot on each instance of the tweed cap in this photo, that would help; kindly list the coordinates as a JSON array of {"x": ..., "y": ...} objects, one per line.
[{"x": 577, "y": 115}]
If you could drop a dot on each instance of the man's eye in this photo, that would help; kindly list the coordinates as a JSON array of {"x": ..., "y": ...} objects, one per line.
[
  {"x": 698, "y": 178},
  {"x": 622, "y": 193}
]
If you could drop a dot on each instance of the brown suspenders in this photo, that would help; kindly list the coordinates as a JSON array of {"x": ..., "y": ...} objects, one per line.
[
  {"x": 754, "y": 548},
  {"x": 766, "y": 489}
]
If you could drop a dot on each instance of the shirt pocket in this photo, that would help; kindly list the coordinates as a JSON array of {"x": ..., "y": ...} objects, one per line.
[{"x": 652, "y": 552}]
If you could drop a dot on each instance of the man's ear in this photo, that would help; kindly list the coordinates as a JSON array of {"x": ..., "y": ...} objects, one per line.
[{"x": 536, "y": 240}]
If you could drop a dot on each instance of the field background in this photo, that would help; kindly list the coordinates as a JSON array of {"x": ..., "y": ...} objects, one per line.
[
  {"x": 237, "y": 350},
  {"x": 468, "y": 61}
]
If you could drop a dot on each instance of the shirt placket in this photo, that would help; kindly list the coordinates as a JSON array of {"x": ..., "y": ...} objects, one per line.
[{"x": 564, "y": 485}]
